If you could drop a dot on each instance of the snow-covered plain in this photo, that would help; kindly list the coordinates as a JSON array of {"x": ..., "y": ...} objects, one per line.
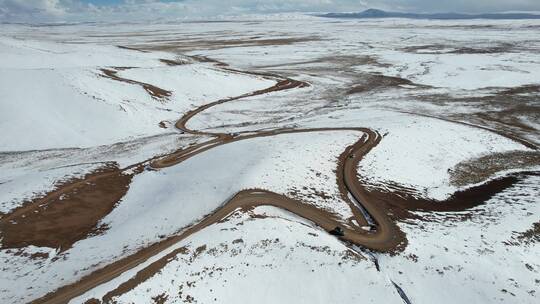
[
  {"x": 162, "y": 203},
  {"x": 56, "y": 95},
  {"x": 30, "y": 174},
  {"x": 64, "y": 119},
  {"x": 474, "y": 252},
  {"x": 292, "y": 260}
]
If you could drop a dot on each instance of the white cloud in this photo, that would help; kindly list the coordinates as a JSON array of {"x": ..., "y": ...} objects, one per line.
[
  {"x": 52, "y": 7},
  {"x": 28, "y": 10},
  {"x": 75, "y": 10}
]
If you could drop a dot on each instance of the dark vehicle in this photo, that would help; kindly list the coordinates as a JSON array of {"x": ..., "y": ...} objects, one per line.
[
  {"x": 338, "y": 231},
  {"x": 370, "y": 228},
  {"x": 148, "y": 167}
]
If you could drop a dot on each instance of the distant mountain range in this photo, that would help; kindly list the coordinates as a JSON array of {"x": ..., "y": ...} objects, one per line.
[{"x": 375, "y": 13}]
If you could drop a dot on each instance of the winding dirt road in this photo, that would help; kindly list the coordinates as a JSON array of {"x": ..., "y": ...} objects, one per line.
[{"x": 385, "y": 237}]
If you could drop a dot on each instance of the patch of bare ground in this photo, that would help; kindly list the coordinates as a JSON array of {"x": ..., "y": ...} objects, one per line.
[
  {"x": 496, "y": 98},
  {"x": 156, "y": 92},
  {"x": 531, "y": 236},
  {"x": 184, "y": 45},
  {"x": 508, "y": 105},
  {"x": 345, "y": 66},
  {"x": 476, "y": 170},
  {"x": 160, "y": 299},
  {"x": 524, "y": 89},
  {"x": 354, "y": 60},
  {"x": 512, "y": 123},
  {"x": 509, "y": 117},
  {"x": 401, "y": 203},
  {"x": 338, "y": 62},
  {"x": 450, "y": 49},
  {"x": 163, "y": 124},
  {"x": 507, "y": 112},
  {"x": 371, "y": 82},
  {"x": 173, "y": 62},
  {"x": 201, "y": 58},
  {"x": 66, "y": 215}
]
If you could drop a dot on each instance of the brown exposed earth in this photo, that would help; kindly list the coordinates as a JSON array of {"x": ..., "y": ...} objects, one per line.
[
  {"x": 373, "y": 82},
  {"x": 68, "y": 214},
  {"x": 508, "y": 111},
  {"x": 477, "y": 170},
  {"x": 532, "y": 235},
  {"x": 173, "y": 62},
  {"x": 447, "y": 49},
  {"x": 155, "y": 92},
  {"x": 183, "y": 45}
]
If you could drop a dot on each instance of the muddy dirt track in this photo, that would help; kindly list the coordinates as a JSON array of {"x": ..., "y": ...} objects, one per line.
[
  {"x": 381, "y": 208},
  {"x": 385, "y": 238}
]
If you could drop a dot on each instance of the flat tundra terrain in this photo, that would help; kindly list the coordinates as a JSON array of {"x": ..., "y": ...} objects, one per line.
[{"x": 270, "y": 160}]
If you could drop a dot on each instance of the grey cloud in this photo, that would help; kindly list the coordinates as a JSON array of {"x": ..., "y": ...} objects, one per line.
[
  {"x": 75, "y": 10},
  {"x": 461, "y": 6},
  {"x": 33, "y": 10}
]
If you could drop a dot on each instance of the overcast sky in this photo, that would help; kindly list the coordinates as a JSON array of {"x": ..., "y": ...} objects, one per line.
[{"x": 82, "y": 10}]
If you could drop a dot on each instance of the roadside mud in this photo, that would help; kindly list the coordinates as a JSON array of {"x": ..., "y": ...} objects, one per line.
[{"x": 402, "y": 203}]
